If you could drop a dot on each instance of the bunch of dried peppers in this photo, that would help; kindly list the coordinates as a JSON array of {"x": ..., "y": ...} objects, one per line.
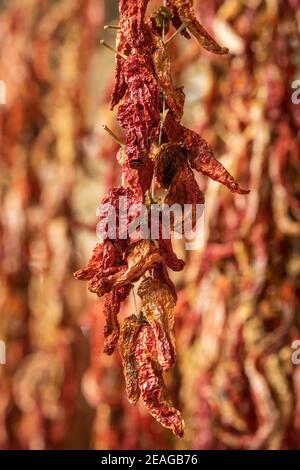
[{"x": 157, "y": 146}]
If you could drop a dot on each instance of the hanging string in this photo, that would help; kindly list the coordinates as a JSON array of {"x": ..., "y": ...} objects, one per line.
[{"x": 164, "y": 104}]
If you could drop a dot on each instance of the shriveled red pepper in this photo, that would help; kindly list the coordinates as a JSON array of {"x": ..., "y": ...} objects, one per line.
[
  {"x": 151, "y": 384},
  {"x": 139, "y": 112},
  {"x": 127, "y": 345},
  {"x": 184, "y": 10},
  {"x": 111, "y": 309},
  {"x": 157, "y": 308}
]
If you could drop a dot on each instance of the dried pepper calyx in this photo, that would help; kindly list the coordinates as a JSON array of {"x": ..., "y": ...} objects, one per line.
[{"x": 160, "y": 20}]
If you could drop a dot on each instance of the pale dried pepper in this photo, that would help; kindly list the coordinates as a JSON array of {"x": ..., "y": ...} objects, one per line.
[{"x": 157, "y": 145}]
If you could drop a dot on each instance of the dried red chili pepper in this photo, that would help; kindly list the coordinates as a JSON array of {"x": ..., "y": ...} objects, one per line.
[
  {"x": 127, "y": 344},
  {"x": 133, "y": 33},
  {"x": 93, "y": 265},
  {"x": 172, "y": 171},
  {"x": 139, "y": 257},
  {"x": 174, "y": 95},
  {"x": 111, "y": 309},
  {"x": 132, "y": 15},
  {"x": 185, "y": 11},
  {"x": 151, "y": 384},
  {"x": 139, "y": 179},
  {"x": 200, "y": 154},
  {"x": 139, "y": 112},
  {"x": 157, "y": 307},
  {"x": 169, "y": 257},
  {"x": 185, "y": 191},
  {"x": 169, "y": 159},
  {"x": 118, "y": 203},
  {"x": 160, "y": 272},
  {"x": 120, "y": 84},
  {"x": 106, "y": 256},
  {"x": 112, "y": 254}
]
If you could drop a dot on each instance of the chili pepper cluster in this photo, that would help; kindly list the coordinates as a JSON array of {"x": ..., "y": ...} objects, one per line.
[{"x": 157, "y": 146}]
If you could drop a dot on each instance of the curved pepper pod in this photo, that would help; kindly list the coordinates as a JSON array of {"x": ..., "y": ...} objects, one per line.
[
  {"x": 157, "y": 306},
  {"x": 127, "y": 344},
  {"x": 184, "y": 9},
  {"x": 140, "y": 257},
  {"x": 151, "y": 384},
  {"x": 111, "y": 309}
]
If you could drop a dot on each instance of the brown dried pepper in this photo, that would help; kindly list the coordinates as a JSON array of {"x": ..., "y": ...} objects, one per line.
[
  {"x": 127, "y": 344},
  {"x": 185, "y": 11},
  {"x": 157, "y": 307},
  {"x": 140, "y": 257},
  {"x": 151, "y": 384},
  {"x": 111, "y": 309},
  {"x": 200, "y": 154},
  {"x": 174, "y": 95}
]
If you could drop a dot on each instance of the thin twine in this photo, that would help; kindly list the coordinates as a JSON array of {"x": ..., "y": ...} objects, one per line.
[
  {"x": 164, "y": 105},
  {"x": 164, "y": 96},
  {"x": 159, "y": 142}
]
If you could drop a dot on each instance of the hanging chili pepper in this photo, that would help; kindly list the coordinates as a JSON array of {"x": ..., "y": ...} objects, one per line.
[
  {"x": 151, "y": 384},
  {"x": 184, "y": 10},
  {"x": 157, "y": 307}
]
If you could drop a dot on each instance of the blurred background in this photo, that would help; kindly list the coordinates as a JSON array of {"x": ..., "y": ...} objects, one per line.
[{"x": 238, "y": 298}]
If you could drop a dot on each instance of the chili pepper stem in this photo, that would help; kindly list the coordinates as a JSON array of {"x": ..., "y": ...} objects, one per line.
[
  {"x": 110, "y": 132},
  {"x": 135, "y": 301},
  {"x": 104, "y": 43},
  {"x": 168, "y": 41},
  {"x": 111, "y": 26}
]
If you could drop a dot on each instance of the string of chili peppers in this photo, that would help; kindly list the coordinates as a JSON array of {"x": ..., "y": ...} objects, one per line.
[{"x": 156, "y": 146}]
